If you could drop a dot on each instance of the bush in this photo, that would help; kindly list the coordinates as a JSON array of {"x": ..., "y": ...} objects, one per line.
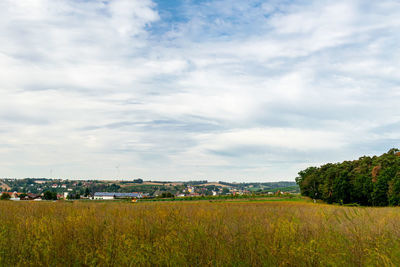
[
  {"x": 49, "y": 195},
  {"x": 166, "y": 195},
  {"x": 5, "y": 196}
]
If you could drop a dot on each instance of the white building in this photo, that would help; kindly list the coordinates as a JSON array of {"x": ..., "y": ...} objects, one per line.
[
  {"x": 112, "y": 195},
  {"x": 103, "y": 197}
]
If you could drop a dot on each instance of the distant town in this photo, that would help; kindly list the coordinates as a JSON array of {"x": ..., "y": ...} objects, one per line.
[{"x": 55, "y": 189}]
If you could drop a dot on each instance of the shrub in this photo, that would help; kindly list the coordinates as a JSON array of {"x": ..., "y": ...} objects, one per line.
[{"x": 4, "y": 196}]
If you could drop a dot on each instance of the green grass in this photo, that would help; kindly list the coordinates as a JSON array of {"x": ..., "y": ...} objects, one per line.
[
  {"x": 239, "y": 232},
  {"x": 226, "y": 197}
]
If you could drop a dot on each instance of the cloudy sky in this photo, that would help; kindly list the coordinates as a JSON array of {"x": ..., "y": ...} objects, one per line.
[{"x": 195, "y": 89}]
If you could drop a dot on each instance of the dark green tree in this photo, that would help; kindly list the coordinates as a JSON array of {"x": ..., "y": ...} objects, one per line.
[
  {"x": 366, "y": 181},
  {"x": 87, "y": 192},
  {"x": 225, "y": 191},
  {"x": 49, "y": 195},
  {"x": 5, "y": 196}
]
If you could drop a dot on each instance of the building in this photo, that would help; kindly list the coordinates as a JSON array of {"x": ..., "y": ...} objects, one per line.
[
  {"x": 13, "y": 195},
  {"x": 114, "y": 195},
  {"x": 190, "y": 189},
  {"x": 31, "y": 196}
]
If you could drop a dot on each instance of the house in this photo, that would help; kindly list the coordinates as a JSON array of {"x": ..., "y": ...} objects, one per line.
[
  {"x": 25, "y": 198},
  {"x": 31, "y": 196},
  {"x": 190, "y": 189},
  {"x": 114, "y": 195},
  {"x": 13, "y": 195}
]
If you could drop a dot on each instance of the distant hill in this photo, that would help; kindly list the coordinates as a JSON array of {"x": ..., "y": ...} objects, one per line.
[
  {"x": 370, "y": 181},
  {"x": 4, "y": 186},
  {"x": 152, "y": 188}
]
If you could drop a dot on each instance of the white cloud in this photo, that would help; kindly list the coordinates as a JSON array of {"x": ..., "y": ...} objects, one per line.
[
  {"x": 130, "y": 17},
  {"x": 286, "y": 138},
  {"x": 243, "y": 90}
]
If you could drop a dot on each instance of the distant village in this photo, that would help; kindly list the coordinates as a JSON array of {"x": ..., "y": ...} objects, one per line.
[{"x": 37, "y": 189}]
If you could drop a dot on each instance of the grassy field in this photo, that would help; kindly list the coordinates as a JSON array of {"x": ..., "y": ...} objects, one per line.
[
  {"x": 236, "y": 233},
  {"x": 289, "y": 197}
]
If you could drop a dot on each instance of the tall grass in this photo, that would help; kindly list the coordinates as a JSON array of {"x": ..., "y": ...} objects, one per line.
[{"x": 197, "y": 233}]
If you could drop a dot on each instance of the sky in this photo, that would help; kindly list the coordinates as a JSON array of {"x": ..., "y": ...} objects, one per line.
[{"x": 183, "y": 90}]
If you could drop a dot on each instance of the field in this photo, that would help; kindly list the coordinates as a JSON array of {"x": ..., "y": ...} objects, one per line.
[{"x": 236, "y": 233}]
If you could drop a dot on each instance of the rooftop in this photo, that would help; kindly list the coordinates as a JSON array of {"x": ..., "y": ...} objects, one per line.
[{"x": 115, "y": 194}]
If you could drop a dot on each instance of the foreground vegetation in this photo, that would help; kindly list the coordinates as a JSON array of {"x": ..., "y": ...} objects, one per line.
[
  {"x": 281, "y": 197},
  {"x": 369, "y": 181},
  {"x": 197, "y": 233}
]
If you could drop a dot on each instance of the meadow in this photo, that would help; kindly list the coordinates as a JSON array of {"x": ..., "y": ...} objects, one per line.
[{"x": 202, "y": 233}]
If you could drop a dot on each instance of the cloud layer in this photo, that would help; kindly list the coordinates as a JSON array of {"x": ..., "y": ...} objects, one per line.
[{"x": 218, "y": 90}]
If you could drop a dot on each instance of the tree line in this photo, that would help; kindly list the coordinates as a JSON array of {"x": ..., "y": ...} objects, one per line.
[{"x": 369, "y": 181}]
